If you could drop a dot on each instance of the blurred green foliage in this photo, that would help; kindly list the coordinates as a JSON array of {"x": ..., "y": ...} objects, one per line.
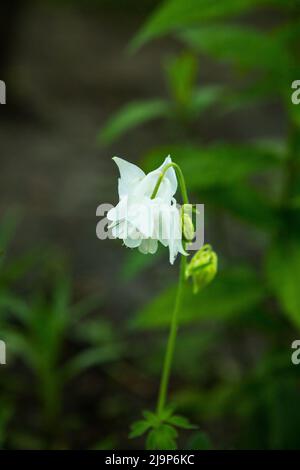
[{"x": 40, "y": 327}]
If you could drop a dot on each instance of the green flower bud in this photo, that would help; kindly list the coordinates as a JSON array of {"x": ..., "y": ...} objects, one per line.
[
  {"x": 188, "y": 230},
  {"x": 202, "y": 268}
]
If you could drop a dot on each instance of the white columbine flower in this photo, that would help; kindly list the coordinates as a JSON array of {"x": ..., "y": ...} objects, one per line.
[{"x": 141, "y": 221}]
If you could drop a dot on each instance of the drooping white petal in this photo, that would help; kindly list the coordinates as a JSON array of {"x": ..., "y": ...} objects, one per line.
[
  {"x": 148, "y": 245},
  {"x": 170, "y": 175},
  {"x": 130, "y": 174},
  {"x": 132, "y": 242},
  {"x": 170, "y": 233},
  {"x": 140, "y": 215}
]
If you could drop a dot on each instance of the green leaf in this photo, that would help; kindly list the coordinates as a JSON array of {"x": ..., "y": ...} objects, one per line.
[
  {"x": 199, "y": 441},
  {"x": 217, "y": 165},
  {"x": 92, "y": 357},
  {"x": 132, "y": 115},
  {"x": 6, "y": 413},
  {"x": 84, "y": 307},
  {"x": 151, "y": 417},
  {"x": 243, "y": 47},
  {"x": 135, "y": 263},
  {"x": 181, "y": 75},
  {"x": 162, "y": 438},
  {"x": 177, "y": 14},
  {"x": 245, "y": 203},
  {"x": 232, "y": 293},
  {"x": 180, "y": 422},
  {"x": 205, "y": 97},
  {"x": 283, "y": 273},
  {"x": 16, "y": 307},
  {"x": 139, "y": 428}
]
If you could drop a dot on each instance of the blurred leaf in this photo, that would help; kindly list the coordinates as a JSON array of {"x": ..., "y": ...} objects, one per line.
[
  {"x": 176, "y": 14},
  {"x": 92, "y": 357},
  {"x": 181, "y": 75},
  {"x": 132, "y": 115},
  {"x": 6, "y": 412},
  {"x": 281, "y": 400},
  {"x": 261, "y": 91},
  {"x": 180, "y": 422},
  {"x": 108, "y": 443},
  {"x": 243, "y": 47},
  {"x": 199, "y": 441},
  {"x": 283, "y": 273},
  {"x": 19, "y": 345},
  {"x": 162, "y": 438},
  {"x": 135, "y": 263},
  {"x": 217, "y": 165},
  {"x": 205, "y": 97},
  {"x": 232, "y": 293},
  {"x": 16, "y": 307},
  {"x": 139, "y": 428},
  {"x": 18, "y": 267},
  {"x": 151, "y": 417},
  {"x": 245, "y": 203},
  {"x": 84, "y": 307},
  {"x": 96, "y": 331}
]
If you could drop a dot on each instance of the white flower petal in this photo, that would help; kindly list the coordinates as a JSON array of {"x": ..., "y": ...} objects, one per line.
[
  {"x": 153, "y": 245},
  {"x": 148, "y": 245},
  {"x": 120, "y": 211},
  {"x": 119, "y": 229},
  {"x": 170, "y": 175},
  {"x": 130, "y": 174},
  {"x": 132, "y": 242},
  {"x": 140, "y": 215}
]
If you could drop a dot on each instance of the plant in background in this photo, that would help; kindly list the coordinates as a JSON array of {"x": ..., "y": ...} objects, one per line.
[
  {"x": 146, "y": 214},
  {"x": 36, "y": 329}
]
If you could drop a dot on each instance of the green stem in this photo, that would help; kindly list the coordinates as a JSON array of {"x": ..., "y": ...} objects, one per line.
[
  {"x": 165, "y": 377},
  {"x": 171, "y": 342},
  {"x": 180, "y": 177}
]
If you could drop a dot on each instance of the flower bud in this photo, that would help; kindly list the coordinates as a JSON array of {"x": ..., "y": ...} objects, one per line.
[
  {"x": 188, "y": 230},
  {"x": 202, "y": 268}
]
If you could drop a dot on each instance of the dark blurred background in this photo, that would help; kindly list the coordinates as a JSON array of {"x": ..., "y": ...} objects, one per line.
[{"x": 83, "y": 351}]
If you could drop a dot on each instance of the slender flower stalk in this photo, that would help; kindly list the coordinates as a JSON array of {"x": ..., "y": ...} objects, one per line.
[
  {"x": 165, "y": 377},
  {"x": 163, "y": 390},
  {"x": 181, "y": 180}
]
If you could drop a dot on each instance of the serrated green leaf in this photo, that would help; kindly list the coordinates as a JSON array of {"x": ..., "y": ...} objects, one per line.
[
  {"x": 151, "y": 417},
  {"x": 232, "y": 293},
  {"x": 180, "y": 422},
  {"x": 132, "y": 115},
  {"x": 162, "y": 438},
  {"x": 139, "y": 428}
]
